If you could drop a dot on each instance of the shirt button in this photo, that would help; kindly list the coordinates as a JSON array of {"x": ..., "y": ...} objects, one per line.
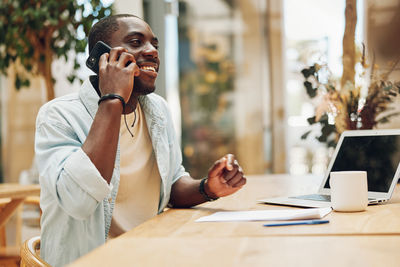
[{"x": 110, "y": 199}]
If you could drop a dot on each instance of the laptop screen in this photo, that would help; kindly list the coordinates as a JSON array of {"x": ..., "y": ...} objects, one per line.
[{"x": 379, "y": 155}]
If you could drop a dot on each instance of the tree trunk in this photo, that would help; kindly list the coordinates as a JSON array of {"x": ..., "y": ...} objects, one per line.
[
  {"x": 48, "y": 77},
  {"x": 49, "y": 87},
  {"x": 349, "y": 49},
  {"x": 47, "y": 74}
]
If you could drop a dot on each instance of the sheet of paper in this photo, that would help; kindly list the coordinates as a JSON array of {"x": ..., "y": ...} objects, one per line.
[{"x": 266, "y": 215}]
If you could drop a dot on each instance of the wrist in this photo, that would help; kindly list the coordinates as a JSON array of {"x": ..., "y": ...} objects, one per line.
[
  {"x": 112, "y": 98},
  {"x": 204, "y": 190}
]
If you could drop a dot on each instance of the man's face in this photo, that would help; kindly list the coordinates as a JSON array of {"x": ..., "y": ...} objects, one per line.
[{"x": 137, "y": 37}]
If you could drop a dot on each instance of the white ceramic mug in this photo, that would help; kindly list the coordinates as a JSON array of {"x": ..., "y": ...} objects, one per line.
[{"x": 349, "y": 190}]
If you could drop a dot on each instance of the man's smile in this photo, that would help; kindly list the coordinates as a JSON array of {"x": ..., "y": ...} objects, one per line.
[{"x": 149, "y": 67}]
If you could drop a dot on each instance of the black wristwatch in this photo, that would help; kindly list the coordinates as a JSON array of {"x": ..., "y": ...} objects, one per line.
[{"x": 203, "y": 192}]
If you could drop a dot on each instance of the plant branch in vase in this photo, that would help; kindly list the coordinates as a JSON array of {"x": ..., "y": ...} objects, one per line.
[{"x": 363, "y": 104}]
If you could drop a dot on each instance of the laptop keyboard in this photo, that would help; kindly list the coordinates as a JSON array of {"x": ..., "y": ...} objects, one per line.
[{"x": 316, "y": 197}]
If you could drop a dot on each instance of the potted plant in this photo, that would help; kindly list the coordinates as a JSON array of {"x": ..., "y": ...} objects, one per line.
[
  {"x": 34, "y": 33},
  {"x": 360, "y": 100}
]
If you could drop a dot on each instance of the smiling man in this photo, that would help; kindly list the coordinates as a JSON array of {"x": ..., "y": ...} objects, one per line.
[{"x": 108, "y": 157}]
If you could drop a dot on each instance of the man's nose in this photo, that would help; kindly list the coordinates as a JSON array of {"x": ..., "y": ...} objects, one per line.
[{"x": 150, "y": 50}]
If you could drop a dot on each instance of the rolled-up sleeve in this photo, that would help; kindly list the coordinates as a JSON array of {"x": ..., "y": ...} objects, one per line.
[
  {"x": 81, "y": 169},
  {"x": 67, "y": 175}
]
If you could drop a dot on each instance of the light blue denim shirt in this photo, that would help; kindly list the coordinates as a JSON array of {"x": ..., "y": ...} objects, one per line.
[{"x": 77, "y": 203}]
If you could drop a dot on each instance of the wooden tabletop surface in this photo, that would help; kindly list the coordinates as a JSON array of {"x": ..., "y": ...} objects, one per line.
[
  {"x": 11, "y": 190},
  {"x": 173, "y": 238}
]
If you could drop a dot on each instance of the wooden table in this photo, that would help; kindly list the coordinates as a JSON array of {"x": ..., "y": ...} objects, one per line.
[
  {"x": 173, "y": 238},
  {"x": 11, "y": 197}
]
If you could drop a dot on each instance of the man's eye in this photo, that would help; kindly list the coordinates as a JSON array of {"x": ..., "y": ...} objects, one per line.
[{"x": 135, "y": 42}]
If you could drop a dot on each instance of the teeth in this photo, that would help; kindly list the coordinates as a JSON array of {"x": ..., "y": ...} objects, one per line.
[{"x": 148, "y": 68}]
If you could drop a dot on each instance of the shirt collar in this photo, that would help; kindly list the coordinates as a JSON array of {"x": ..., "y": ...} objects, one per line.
[{"x": 89, "y": 97}]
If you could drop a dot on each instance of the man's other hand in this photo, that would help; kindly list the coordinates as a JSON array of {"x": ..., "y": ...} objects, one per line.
[{"x": 225, "y": 177}]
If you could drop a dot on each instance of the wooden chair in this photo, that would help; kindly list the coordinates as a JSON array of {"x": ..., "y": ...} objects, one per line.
[
  {"x": 30, "y": 253},
  {"x": 10, "y": 253}
]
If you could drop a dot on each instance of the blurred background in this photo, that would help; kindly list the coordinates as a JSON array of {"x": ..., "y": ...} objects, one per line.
[{"x": 230, "y": 71}]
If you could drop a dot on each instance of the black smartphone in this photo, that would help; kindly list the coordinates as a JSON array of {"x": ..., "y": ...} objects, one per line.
[{"x": 93, "y": 60}]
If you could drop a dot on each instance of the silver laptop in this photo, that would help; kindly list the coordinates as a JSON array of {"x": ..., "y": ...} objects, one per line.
[{"x": 374, "y": 151}]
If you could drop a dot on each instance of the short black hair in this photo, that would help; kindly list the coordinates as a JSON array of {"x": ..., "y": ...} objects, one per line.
[{"x": 104, "y": 28}]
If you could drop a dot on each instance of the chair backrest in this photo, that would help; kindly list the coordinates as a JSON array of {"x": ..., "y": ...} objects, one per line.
[{"x": 30, "y": 253}]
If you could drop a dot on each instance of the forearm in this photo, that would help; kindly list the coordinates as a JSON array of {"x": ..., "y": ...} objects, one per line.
[
  {"x": 102, "y": 141},
  {"x": 185, "y": 193}
]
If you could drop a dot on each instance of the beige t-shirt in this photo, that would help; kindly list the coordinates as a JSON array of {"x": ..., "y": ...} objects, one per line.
[{"x": 139, "y": 187}]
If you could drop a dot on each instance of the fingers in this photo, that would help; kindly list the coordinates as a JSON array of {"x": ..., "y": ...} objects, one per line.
[
  {"x": 115, "y": 54},
  {"x": 217, "y": 168},
  {"x": 242, "y": 182},
  {"x": 227, "y": 162},
  {"x": 233, "y": 177},
  {"x": 124, "y": 59},
  {"x": 228, "y": 170},
  {"x": 103, "y": 60},
  {"x": 230, "y": 161},
  {"x": 225, "y": 177},
  {"x": 120, "y": 57},
  {"x": 133, "y": 67},
  {"x": 228, "y": 175}
]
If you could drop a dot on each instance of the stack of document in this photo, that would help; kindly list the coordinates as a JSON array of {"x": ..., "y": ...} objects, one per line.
[{"x": 266, "y": 215}]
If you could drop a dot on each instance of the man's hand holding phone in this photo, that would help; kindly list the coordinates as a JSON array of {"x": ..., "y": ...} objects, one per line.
[
  {"x": 116, "y": 72},
  {"x": 116, "y": 69}
]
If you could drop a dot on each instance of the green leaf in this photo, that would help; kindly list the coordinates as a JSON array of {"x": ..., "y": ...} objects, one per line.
[
  {"x": 306, "y": 134},
  {"x": 331, "y": 88},
  {"x": 397, "y": 84},
  {"x": 80, "y": 45},
  {"x": 328, "y": 129},
  {"x": 18, "y": 82},
  {"x": 383, "y": 120},
  {"x": 311, "y": 120},
  {"x": 308, "y": 72},
  {"x": 324, "y": 119},
  {"x": 76, "y": 65},
  {"x": 332, "y": 143},
  {"x": 26, "y": 83},
  {"x": 312, "y": 92},
  {"x": 322, "y": 138},
  {"x": 387, "y": 88},
  {"x": 71, "y": 78}
]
